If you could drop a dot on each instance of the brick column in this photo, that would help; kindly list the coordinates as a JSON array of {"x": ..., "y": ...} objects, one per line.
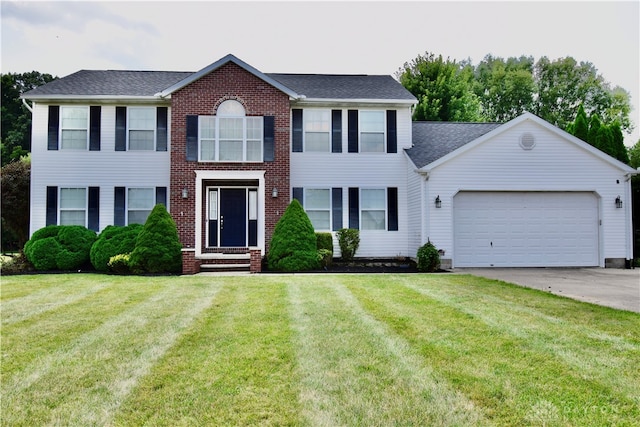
[
  {"x": 256, "y": 261},
  {"x": 190, "y": 265}
]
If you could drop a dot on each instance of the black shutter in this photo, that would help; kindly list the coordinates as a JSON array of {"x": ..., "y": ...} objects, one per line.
[
  {"x": 52, "y": 206},
  {"x": 336, "y": 131},
  {"x": 392, "y": 133},
  {"x": 336, "y": 208},
  {"x": 296, "y": 130},
  {"x": 269, "y": 149},
  {"x": 94, "y": 209},
  {"x": 392, "y": 209},
  {"x": 161, "y": 196},
  {"x": 298, "y": 194},
  {"x": 54, "y": 123},
  {"x": 161, "y": 128},
  {"x": 352, "y": 136},
  {"x": 354, "y": 207},
  {"x": 192, "y": 138},
  {"x": 119, "y": 206},
  {"x": 94, "y": 127},
  {"x": 121, "y": 128}
]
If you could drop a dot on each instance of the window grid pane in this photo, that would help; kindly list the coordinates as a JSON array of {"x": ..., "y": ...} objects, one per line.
[
  {"x": 73, "y": 205},
  {"x": 321, "y": 220},
  {"x": 142, "y": 118},
  {"x": 72, "y": 218},
  {"x": 213, "y": 205},
  {"x": 74, "y": 139},
  {"x": 253, "y": 205},
  {"x": 74, "y": 117},
  {"x": 372, "y": 121},
  {"x": 317, "y": 141},
  {"x": 141, "y": 140}
]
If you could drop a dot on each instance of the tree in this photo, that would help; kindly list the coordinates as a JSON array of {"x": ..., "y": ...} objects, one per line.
[
  {"x": 580, "y": 128},
  {"x": 506, "y": 89},
  {"x": 16, "y": 178},
  {"x": 15, "y": 118},
  {"x": 444, "y": 89},
  {"x": 618, "y": 149},
  {"x": 634, "y": 155},
  {"x": 293, "y": 245},
  {"x": 158, "y": 248},
  {"x": 594, "y": 130}
]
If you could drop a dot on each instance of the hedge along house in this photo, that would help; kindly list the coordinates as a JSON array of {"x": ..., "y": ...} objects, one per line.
[{"x": 228, "y": 147}]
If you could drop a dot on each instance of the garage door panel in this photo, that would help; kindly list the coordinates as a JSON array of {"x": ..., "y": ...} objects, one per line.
[{"x": 525, "y": 229}]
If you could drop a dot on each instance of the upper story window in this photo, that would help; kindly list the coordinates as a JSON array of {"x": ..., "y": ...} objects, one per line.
[
  {"x": 73, "y": 206},
  {"x": 230, "y": 136},
  {"x": 317, "y": 130},
  {"x": 74, "y": 124},
  {"x": 142, "y": 126},
  {"x": 372, "y": 131}
]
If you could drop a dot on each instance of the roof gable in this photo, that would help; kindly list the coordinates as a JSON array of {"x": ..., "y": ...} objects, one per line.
[
  {"x": 219, "y": 63},
  {"x": 517, "y": 121}
]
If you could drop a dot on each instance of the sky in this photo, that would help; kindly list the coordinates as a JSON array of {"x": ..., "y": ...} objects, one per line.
[{"x": 334, "y": 37}]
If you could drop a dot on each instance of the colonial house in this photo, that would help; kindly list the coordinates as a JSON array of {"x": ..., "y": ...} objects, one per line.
[{"x": 228, "y": 147}]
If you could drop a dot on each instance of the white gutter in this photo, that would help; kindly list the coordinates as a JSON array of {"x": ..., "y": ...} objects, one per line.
[{"x": 24, "y": 101}]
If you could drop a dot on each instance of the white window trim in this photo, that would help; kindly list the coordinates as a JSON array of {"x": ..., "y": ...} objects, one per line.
[
  {"x": 86, "y": 204},
  {"x": 245, "y": 139},
  {"x": 386, "y": 207},
  {"x": 305, "y": 118},
  {"x": 305, "y": 192},
  {"x": 384, "y": 132},
  {"x": 126, "y": 202},
  {"x": 155, "y": 128},
  {"x": 86, "y": 128}
]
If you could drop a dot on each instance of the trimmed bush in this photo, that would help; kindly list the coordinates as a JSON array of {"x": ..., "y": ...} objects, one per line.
[
  {"x": 112, "y": 241},
  {"x": 325, "y": 257},
  {"x": 158, "y": 248},
  {"x": 428, "y": 258},
  {"x": 119, "y": 264},
  {"x": 60, "y": 247},
  {"x": 349, "y": 241},
  {"x": 324, "y": 241},
  {"x": 293, "y": 244}
]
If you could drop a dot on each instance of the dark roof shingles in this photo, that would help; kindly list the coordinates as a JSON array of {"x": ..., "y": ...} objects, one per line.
[{"x": 434, "y": 140}]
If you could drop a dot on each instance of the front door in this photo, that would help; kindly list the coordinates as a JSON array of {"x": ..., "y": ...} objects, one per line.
[{"x": 233, "y": 217}]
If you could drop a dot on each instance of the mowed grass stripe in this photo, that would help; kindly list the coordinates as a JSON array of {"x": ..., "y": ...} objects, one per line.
[
  {"x": 516, "y": 382},
  {"x": 53, "y": 330},
  {"x": 582, "y": 346},
  {"x": 235, "y": 366},
  {"x": 356, "y": 371},
  {"x": 85, "y": 381}
]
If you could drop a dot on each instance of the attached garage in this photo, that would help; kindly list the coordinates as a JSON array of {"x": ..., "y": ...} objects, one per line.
[{"x": 525, "y": 229}]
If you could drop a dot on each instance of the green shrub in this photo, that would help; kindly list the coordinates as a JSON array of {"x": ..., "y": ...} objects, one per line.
[
  {"x": 324, "y": 241},
  {"x": 349, "y": 241},
  {"x": 428, "y": 258},
  {"x": 293, "y": 244},
  {"x": 325, "y": 257},
  {"x": 158, "y": 248},
  {"x": 119, "y": 264},
  {"x": 60, "y": 247},
  {"x": 112, "y": 241}
]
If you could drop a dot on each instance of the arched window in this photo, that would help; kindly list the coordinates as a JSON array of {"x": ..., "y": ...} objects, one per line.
[{"x": 230, "y": 136}]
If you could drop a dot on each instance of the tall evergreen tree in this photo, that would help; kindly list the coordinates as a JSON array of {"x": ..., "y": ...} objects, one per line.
[
  {"x": 619, "y": 151},
  {"x": 594, "y": 128},
  {"x": 581, "y": 124}
]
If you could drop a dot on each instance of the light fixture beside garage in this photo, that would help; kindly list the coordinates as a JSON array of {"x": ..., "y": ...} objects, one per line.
[
  {"x": 618, "y": 202},
  {"x": 438, "y": 202}
]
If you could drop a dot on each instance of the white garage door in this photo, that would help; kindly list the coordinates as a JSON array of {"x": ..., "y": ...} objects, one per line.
[{"x": 525, "y": 229}]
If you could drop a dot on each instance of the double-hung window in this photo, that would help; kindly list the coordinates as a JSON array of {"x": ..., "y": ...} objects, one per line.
[
  {"x": 74, "y": 123},
  {"x": 73, "y": 206},
  {"x": 142, "y": 128},
  {"x": 317, "y": 204},
  {"x": 317, "y": 128},
  {"x": 373, "y": 209},
  {"x": 140, "y": 202},
  {"x": 230, "y": 136},
  {"x": 372, "y": 131}
]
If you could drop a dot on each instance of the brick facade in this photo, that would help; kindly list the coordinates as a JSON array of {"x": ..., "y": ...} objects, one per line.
[{"x": 202, "y": 97}]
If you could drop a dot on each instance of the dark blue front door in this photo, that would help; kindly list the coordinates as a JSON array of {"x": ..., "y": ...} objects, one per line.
[{"x": 233, "y": 217}]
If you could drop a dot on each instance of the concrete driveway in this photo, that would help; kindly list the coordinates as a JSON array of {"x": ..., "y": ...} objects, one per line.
[{"x": 604, "y": 286}]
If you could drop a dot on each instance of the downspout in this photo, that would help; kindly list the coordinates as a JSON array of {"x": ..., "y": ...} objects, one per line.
[
  {"x": 425, "y": 217},
  {"x": 628, "y": 212},
  {"x": 24, "y": 101}
]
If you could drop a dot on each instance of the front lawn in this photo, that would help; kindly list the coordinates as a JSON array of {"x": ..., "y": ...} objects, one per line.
[{"x": 311, "y": 350}]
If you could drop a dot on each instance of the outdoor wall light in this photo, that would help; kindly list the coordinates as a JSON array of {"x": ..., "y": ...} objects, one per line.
[
  {"x": 438, "y": 202},
  {"x": 274, "y": 192},
  {"x": 618, "y": 202},
  {"x": 185, "y": 193}
]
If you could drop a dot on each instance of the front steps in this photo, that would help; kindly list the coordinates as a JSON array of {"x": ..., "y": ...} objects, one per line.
[{"x": 225, "y": 262}]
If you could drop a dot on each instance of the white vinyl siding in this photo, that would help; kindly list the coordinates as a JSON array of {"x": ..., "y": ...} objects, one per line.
[
  {"x": 73, "y": 206},
  {"x": 142, "y": 128},
  {"x": 317, "y": 130},
  {"x": 317, "y": 204},
  {"x": 74, "y": 125}
]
